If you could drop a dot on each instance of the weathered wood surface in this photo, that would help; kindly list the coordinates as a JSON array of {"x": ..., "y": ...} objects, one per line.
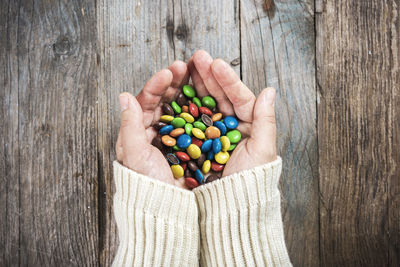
[
  {"x": 64, "y": 64},
  {"x": 358, "y": 132},
  {"x": 278, "y": 50},
  {"x": 49, "y": 164}
]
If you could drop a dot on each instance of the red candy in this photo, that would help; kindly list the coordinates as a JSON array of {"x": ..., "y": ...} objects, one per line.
[
  {"x": 182, "y": 156},
  {"x": 184, "y": 165},
  {"x": 191, "y": 182},
  {"x": 197, "y": 142},
  {"x": 217, "y": 167},
  {"x": 205, "y": 110},
  {"x": 193, "y": 109}
]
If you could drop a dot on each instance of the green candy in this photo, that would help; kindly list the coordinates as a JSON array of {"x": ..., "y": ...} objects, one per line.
[
  {"x": 232, "y": 147},
  {"x": 200, "y": 125},
  {"x": 176, "y": 148},
  {"x": 178, "y": 122},
  {"x": 189, "y": 91},
  {"x": 234, "y": 136},
  {"x": 177, "y": 109},
  {"x": 209, "y": 102},
  {"x": 188, "y": 129},
  {"x": 196, "y": 101}
]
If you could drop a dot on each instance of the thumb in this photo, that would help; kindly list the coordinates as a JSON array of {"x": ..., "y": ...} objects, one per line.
[
  {"x": 263, "y": 134},
  {"x": 133, "y": 134}
]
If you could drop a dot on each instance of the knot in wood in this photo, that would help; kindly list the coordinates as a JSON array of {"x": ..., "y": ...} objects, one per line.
[{"x": 63, "y": 46}]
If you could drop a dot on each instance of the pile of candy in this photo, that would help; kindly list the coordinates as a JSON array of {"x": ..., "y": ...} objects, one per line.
[{"x": 195, "y": 137}]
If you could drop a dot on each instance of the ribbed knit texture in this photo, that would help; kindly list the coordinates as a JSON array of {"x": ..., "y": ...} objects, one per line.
[
  {"x": 240, "y": 219},
  {"x": 157, "y": 222}
]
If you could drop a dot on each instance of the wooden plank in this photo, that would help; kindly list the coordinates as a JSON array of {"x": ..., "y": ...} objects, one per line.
[
  {"x": 9, "y": 160},
  {"x": 138, "y": 38},
  {"x": 358, "y": 118},
  {"x": 51, "y": 85},
  {"x": 277, "y": 44}
]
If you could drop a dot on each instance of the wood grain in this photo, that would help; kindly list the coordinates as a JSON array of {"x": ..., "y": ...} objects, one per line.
[
  {"x": 136, "y": 39},
  {"x": 358, "y": 117},
  {"x": 50, "y": 160},
  {"x": 278, "y": 50}
]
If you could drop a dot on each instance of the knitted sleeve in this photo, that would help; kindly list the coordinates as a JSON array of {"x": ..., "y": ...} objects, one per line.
[
  {"x": 157, "y": 222},
  {"x": 240, "y": 219}
]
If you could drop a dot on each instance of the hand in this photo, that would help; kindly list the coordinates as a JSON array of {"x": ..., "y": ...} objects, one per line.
[
  {"x": 133, "y": 147},
  {"x": 257, "y": 115}
]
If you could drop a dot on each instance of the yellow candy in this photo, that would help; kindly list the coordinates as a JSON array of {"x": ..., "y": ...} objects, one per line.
[
  {"x": 166, "y": 118},
  {"x": 187, "y": 117},
  {"x": 198, "y": 133},
  {"x": 177, "y": 170},
  {"x": 225, "y": 143},
  {"x": 222, "y": 157},
  {"x": 206, "y": 166},
  {"x": 193, "y": 151}
]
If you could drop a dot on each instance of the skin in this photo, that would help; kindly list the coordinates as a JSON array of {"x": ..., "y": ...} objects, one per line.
[{"x": 210, "y": 77}]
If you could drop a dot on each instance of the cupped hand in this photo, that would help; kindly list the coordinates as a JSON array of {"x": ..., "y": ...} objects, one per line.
[
  {"x": 256, "y": 115},
  {"x": 133, "y": 148}
]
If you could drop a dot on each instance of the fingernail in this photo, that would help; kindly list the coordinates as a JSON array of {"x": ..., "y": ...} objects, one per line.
[
  {"x": 270, "y": 96},
  {"x": 124, "y": 101}
]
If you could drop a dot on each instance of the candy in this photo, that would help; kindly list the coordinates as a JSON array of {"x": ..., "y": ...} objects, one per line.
[
  {"x": 184, "y": 166},
  {"x": 210, "y": 155},
  {"x": 157, "y": 142},
  {"x": 184, "y": 141},
  {"x": 198, "y": 133},
  {"x": 158, "y": 125},
  {"x": 222, "y": 157},
  {"x": 191, "y": 182},
  {"x": 206, "y": 120},
  {"x": 216, "y": 117},
  {"x": 201, "y": 159},
  {"x": 187, "y": 117},
  {"x": 194, "y": 110},
  {"x": 217, "y": 167},
  {"x": 196, "y": 101},
  {"x": 200, "y": 125},
  {"x": 204, "y": 110},
  {"x": 216, "y": 146},
  {"x": 189, "y": 91},
  {"x": 207, "y": 145},
  {"x": 225, "y": 143},
  {"x": 166, "y": 129},
  {"x": 199, "y": 176},
  {"x": 212, "y": 132},
  {"x": 167, "y": 109},
  {"x": 197, "y": 142},
  {"x": 178, "y": 122},
  {"x": 221, "y": 126},
  {"x": 176, "y": 132},
  {"x": 168, "y": 140},
  {"x": 185, "y": 108},
  {"x": 172, "y": 159},
  {"x": 232, "y": 147},
  {"x": 181, "y": 99},
  {"x": 234, "y": 136},
  {"x": 208, "y": 101},
  {"x": 231, "y": 122},
  {"x": 211, "y": 178},
  {"x": 192, "y": 166},
  {"x": 206, "y": 167},
  {"x": 182, "y": 156},
  {"x": 176, "y": 148},
  {"x": 177, "y": 171},
  {"x": 194, "y": 151},
  {"x": 188, "y": 173},
  {"x": 188, "y": 128},
  {"x": 166, "y": 118}
]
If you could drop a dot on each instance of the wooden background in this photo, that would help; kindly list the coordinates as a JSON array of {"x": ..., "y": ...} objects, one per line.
[{"x": 335, "y": 65}]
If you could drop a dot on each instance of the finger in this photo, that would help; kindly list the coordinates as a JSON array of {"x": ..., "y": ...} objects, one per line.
[
  {"x": 150, "y": 96},
  {"x": 196, "y": 79},
  {"x": 180, "y": 76},
  {"x": 238, "y": 94},
  {"x": 263, "y": 134},
  {"x": 133, "y": 135},
  {"x": 118, "y": 148},
  {"x": 202, "y": 61}
]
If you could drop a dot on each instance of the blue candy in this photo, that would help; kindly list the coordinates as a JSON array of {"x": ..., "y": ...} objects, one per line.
[
  {"x": 210, "y": 155},
  {"x": 216, "y": 146},
  {"x": 166, "y": 129},
  {"x": 183, "y": 141},
  {"x": 231, "y": 122},
  {"x": 206, "y": 146},
  {"x": 199, "y": 176},
  {"x": 221, "y": 127}
]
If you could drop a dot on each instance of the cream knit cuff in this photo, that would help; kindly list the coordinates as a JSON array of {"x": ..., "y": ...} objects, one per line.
[
  {"x": 157, "y": 222},
  {"x": 240, "y": 219}
]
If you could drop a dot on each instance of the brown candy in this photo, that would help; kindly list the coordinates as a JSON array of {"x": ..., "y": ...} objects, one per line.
[
  {"x": 188, "y": 173},
  {"x": 157, "y": 142},
  {"x": 158, "y": 125},
  {"x": 168, "y": 140},
  {"x": 207, "y": 120},
  {"x": 201, "y": 159},
  {"x": 211, "y": 178},
  {"x": 192, "y": 166},
  {"x": 167, "y": 109},
  {"x": 212, "y": 132},
  {"x": 181, "y": 99}
]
